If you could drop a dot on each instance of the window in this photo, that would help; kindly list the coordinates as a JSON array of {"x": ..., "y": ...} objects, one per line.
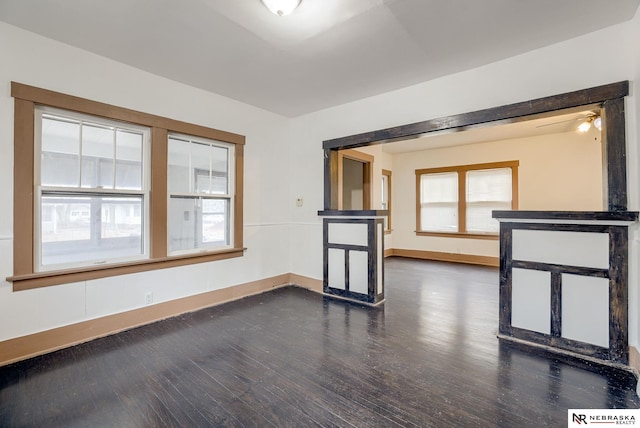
[
  {"x": 386, "y": 198},
  {"x": 459, "y": 200},
  {"x": 92, "y": 176},
  {"x": 111, "y": 195},
  {"x": 200, "y": 198},
  {"x": 487, "y": 190}
]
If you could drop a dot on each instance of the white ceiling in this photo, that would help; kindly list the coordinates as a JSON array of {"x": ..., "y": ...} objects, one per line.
[{"x": 328, "y": 52}]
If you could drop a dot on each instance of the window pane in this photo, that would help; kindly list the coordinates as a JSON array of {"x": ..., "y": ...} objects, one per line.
[
  {"x": 200, "y": 162},
  {"x": 439, "y": 202},
  {"x": 487, "y": 190},
  {"x": 220, "y": 170},
  {"x": 129, "y": 160},
  {"x": 489, "y": 185},
  {"x": 97, "y": 157},
  {"x": 479, "y": 218},
  {"x": 60, "y": 157},
  {"x": 178, "y": 167},
  {"x": 441, "y": 217},
  {"x": 198, "y": 223},
  {"x": 439, "y": 187},
  {"x": 90, "y": 228},
  {"x": 197, "y": 167},
  {"x": 215, "y": 228},
  {"x": 385, "y": 192}
]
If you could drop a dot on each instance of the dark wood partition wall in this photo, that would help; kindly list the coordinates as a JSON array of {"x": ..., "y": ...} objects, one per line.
[
  {"x": 344, "y": 285},
  {"x": 609, "y": 99},
  {"x": 615, "y": 152},
  {"x": 614, "y": 226}
]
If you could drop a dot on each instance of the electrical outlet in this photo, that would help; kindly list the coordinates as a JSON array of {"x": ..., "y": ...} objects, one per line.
[
  {"x": 148, "y": 298},
  {"x": 299, "y": 202}
]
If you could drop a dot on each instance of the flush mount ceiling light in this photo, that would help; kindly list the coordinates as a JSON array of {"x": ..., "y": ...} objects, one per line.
[{"x": 281, "y": 7}]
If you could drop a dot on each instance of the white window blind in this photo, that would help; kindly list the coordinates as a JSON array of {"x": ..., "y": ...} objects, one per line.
[
  {"x": 439, "y": 202},
  {"x": 487, "y": 190}
]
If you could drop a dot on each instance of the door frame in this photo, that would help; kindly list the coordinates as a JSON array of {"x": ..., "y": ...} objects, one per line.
[{"x": 608, "y": 98}]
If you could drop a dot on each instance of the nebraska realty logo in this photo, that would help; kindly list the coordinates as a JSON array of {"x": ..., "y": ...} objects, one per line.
[{"x": 599, "y": 417}]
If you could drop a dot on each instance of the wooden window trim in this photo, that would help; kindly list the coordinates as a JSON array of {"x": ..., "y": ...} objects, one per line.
[
  {"x": 26, "y": 99},
  {"x": 387, "y": 173},
  {"x": 461, "y": 170}
]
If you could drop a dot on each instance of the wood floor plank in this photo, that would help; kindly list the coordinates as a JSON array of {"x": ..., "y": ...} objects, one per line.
[{"x": 429, "y": 357}]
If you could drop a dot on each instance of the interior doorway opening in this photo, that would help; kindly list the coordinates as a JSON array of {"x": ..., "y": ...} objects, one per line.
[
  {"x": 538, "y": 271},
  {"x": 355, "y": 171}
]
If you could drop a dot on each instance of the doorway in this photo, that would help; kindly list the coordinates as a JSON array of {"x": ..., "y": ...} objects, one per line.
[
  {"x": 355, "y": 173},
  {"x": 534, "y": 273}
]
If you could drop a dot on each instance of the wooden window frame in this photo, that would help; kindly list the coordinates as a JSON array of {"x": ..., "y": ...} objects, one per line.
[
  {"x": 26, "y": 98},
  {"x": 193, "y": 194},
  {"x": 462, "y": 170},
  {"x": 387, "y": 173}
]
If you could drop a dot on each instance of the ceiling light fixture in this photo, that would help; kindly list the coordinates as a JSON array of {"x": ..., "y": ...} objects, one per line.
[
  {"x": 281, "y": 7},
  {"x": 591, "y": 120}
]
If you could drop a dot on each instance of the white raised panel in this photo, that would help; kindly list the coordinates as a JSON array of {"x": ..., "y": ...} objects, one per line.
[
  {"x": 584, "y": 249},
  {"x": 348, "y": 233},
  {"x": 359, "y": 272},
  {"x": 585, "y": 309},
  {"x": 336, "y": 268},
  {"x": 531, "y": 300}
]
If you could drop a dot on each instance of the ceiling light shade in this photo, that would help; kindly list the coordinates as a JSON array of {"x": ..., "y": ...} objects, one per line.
[
  {"x": 597, "y": 122},
  {"x": 585, "y": 126},
  {"x": 281, "y": 7}
]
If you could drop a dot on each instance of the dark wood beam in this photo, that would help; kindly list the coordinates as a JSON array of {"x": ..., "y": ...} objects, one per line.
[{"x": 512, "y": 113}]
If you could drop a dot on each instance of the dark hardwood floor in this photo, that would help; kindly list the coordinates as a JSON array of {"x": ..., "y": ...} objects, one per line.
[{"x": 428, "y": 357}]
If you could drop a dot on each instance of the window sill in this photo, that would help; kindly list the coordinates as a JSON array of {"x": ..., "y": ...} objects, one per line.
[
  {"x": 488, "y": 236},
  {"x": 45, "y": 279}
]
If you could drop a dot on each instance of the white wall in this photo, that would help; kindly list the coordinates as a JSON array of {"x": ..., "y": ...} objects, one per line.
[
  {"x": 37, "y": 61},
  {"x": 556, "y": 69}
]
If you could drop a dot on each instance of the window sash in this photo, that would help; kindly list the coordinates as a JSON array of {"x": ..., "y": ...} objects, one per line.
[
  {"x": 87, "y": 229},
  {"x": 439, "y": 202},
  {"x": 439, "y": 217},
  {"x": 193, "y": 228},
  {"x": 70, "y": 252},
  {"x": 77, "y": 155},
  {"x": 194, "y": 165}
]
